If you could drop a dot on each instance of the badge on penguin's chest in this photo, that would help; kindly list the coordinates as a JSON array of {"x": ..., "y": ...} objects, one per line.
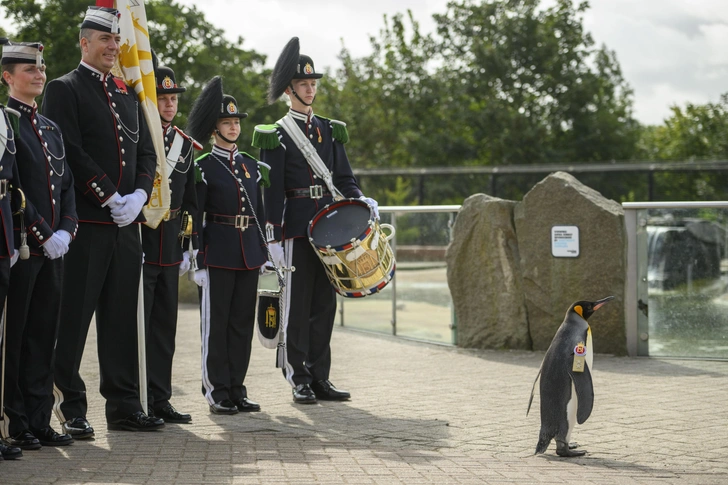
[{"x": 579, "y": 357}]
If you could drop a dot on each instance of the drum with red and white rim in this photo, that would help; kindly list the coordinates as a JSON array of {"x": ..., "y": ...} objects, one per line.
[{"x": 353, "y": 247}]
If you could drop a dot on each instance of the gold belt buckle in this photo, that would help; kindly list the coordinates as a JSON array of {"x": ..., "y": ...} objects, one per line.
[
  {"x": 315, "y": 191},
  {"x": 242, "y": 222}
]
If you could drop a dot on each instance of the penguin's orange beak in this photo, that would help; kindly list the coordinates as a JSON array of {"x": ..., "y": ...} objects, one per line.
[{"x": 599, "y": 303}]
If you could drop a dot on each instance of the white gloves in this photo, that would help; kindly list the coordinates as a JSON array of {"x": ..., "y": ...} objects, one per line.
[
  {"x": 201, "y": 278},
  {"x": 125, "y": 210},
  {"x": 14, "y": 258},
  {"x": 276, "y": 254},
  {"x": 57, "y": 245},
  {"x": 373, "y": 204},
  {"x": 184, "y": 266},
  {"x": 113, "y": 201}
]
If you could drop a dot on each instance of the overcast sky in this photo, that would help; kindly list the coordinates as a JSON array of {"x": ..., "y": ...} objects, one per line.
[{"x": 671, "y": 51}]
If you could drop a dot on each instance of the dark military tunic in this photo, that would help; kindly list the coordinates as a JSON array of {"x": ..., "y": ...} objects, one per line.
[
  {"x": 34, "y": 298},
  {"x": 163, "y": 250},
  {"x": 308, "y": 311},
  {"x": 109, "y": 149},
  {"x": 232, "y": 256}
]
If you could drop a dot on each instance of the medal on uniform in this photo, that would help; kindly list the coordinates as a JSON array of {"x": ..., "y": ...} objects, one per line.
[
  {"x": 319, "y": 134},
  {"x": 579, "y": 357},
  {"x": 247, "y": 174}
]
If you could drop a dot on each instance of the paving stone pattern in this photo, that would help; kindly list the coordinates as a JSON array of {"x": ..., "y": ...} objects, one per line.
[{"x": 420, "y": 414}]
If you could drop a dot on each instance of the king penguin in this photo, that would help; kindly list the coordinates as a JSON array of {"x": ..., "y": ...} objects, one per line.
[{"x": 567, "y": 393}]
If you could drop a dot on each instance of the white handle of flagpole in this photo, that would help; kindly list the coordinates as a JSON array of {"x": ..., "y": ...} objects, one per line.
[{"x": 141, "y": 337}]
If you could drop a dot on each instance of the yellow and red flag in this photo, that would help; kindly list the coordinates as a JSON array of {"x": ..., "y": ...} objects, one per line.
[{"x": 136, "y": 69}]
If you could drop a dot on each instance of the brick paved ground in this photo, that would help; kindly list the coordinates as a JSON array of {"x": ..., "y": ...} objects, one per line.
[{"x": 419, "y": 414}]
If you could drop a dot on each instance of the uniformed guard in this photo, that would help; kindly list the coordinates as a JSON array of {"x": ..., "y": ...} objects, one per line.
[
  {"x": 167, "y": 252},
  {"x": 110, "y": 152},
  {"x": 232, "y": 249},
  {"x": 8, "y": 253},
  {"x": 295, "y": 195},
  {"x": 44, "y": 228}
]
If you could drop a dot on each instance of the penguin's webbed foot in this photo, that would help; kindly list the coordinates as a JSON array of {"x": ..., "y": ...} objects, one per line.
[{"x": 564, "y": 449}]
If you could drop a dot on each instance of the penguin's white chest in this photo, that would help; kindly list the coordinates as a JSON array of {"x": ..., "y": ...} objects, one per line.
[
  {"x": 589, "y": 351},
  {"x": 573, "y": 404}
]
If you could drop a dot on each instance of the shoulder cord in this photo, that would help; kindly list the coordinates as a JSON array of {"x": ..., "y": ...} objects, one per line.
[{"x": 4, "y": 138}]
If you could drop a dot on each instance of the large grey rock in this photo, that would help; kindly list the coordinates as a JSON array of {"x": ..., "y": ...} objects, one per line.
[
  {"x": 552, "y": 284},
  {"x": 483, "y": 276}
]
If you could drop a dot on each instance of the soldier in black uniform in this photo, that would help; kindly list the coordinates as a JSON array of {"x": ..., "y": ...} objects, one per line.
[
  {"x": 8, "y": 253},
  {"x": 231, "y": 249},
  {"x": 295, "y": 195},
  {"x": 111, "y": 155},
  {"x": 166, "y": 254},
  {"x": 44, "y": 229}
]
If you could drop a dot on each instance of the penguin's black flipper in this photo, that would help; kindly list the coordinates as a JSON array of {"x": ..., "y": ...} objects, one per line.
[
  {"x": 584, "y": 393},
  {"x": 533, "y": 389}
]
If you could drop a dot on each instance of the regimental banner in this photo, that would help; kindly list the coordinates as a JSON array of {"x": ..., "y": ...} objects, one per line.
[{"x": 135, "y": 67}]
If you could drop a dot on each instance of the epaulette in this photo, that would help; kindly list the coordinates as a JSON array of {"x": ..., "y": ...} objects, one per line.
[
  {"x": 199, "y": 174},
  {"x": 195, "y": 143},
  {"x": 264, "y": 171},
  {"x": 338, "y": 130},
  {"x": 265, "y": 137}
]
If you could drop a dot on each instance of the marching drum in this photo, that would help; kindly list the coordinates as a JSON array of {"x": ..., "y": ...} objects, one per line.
[{"x": 350, "y": 243}]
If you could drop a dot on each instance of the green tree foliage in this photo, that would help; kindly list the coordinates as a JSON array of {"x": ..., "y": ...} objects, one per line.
[
  {"x": 180, "y": 36},
  {"x": 695, "y": 132},
  {"x": 500, "y": 82}
]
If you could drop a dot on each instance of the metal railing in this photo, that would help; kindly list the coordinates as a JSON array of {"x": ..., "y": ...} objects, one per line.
[{"x": 641, "y": 302}]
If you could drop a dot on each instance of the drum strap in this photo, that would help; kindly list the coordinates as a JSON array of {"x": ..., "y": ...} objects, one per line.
[{"x": 310, "y": 153}]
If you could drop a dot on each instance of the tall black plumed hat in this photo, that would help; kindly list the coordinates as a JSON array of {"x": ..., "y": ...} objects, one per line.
[
  {"x": 210, "y": 106},
  {"x": 291, "y": 64}
]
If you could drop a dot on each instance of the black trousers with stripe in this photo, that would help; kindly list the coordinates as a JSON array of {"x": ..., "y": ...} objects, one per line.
[
  {"x": 4, "y": 284},
  {"x": 101, "y": 275},
  {"x": 34, "y": 299},
  {"x": 227, "y": 311},
  {"x": 309, "y": 310},
  {"x": 161, "y": 289}
]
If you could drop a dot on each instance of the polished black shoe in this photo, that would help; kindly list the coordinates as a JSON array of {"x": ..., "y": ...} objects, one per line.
[
  {"x": 78, "y": 428},
  {"x": 49, "y": 437},
  {"x": 326, "y": 391},
  {"x": 136, "y": 422},
  {"x": 10, "y": 452},
  {"x": 245, "y": 405},
  {"x": 24, "y": 440},
  {"x": 170, "y": 415},
  {"x": 303, "y": 394},
  {"x": 226, "y": 406}
]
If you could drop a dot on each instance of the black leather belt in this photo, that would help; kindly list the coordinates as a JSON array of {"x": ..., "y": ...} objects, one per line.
[
  {"x": 173, "y": 214},
  {"x": 3, "y": 188},
  {"x": 239, "y": 222},
  {"x": 313, "y": 192}
]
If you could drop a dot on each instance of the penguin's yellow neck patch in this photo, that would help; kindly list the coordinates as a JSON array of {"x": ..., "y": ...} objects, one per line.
[{"x": 579, "y": 310}]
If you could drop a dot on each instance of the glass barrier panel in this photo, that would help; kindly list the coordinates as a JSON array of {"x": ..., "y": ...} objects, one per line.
[
  {"x": 419, "y": 290},
  {"x": 687, "y": 280},
  {"x": 424, "y": 306}
]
